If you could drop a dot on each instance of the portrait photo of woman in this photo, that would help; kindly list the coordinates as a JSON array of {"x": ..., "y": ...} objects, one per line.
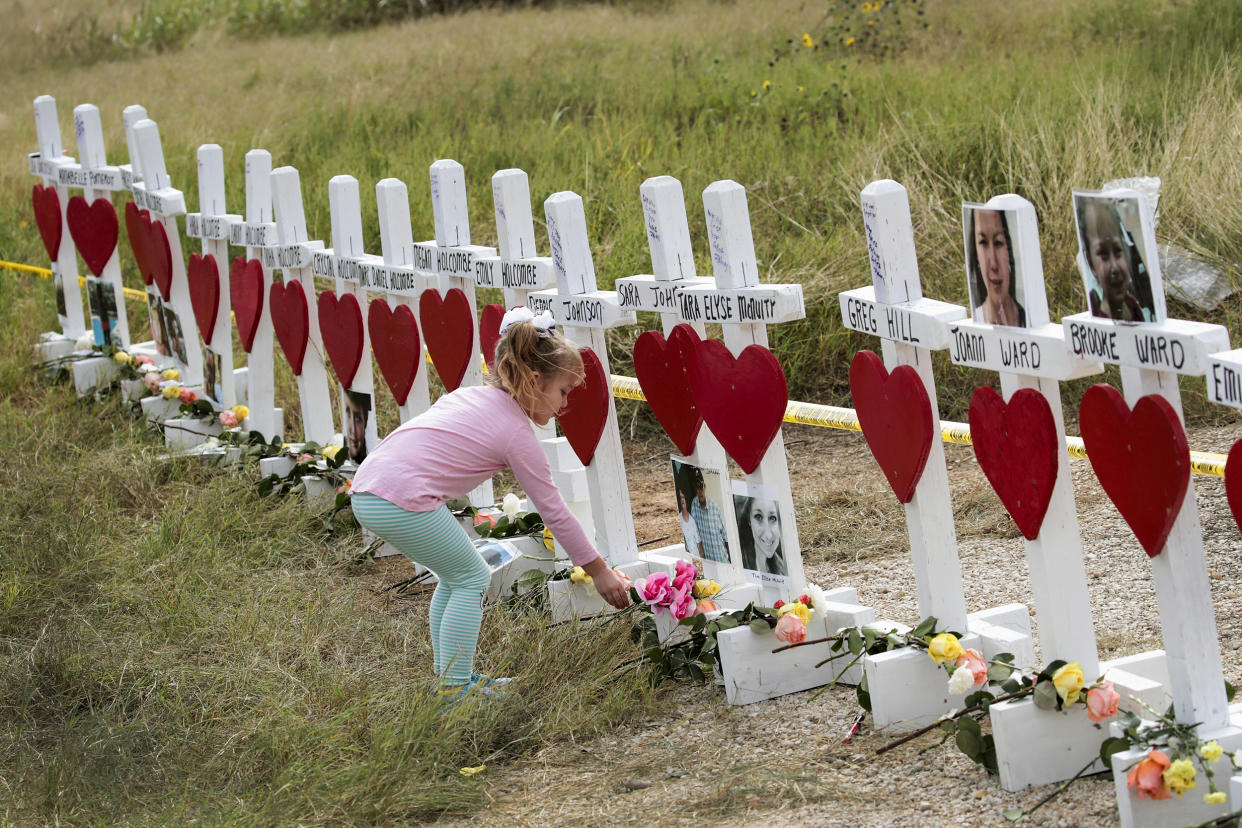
[
  {"x": 995, "y": 287},
  {"x": 759, "y": 532}
]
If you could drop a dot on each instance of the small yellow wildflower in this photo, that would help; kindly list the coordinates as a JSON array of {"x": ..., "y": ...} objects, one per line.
[
  {"x": 807, "y": 40},
  {"x": 1211, "y": 751},
  {"x": 1215, "y": 798},
  {"x": 849, "y": 41},
  {"x": 473, "y": 771},
  {"x": 767, "y": 84}
]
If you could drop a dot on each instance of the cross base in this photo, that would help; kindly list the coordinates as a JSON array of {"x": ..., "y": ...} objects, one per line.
[
  {"x": 52, "y": 345},
  {"x": 91, "y": 373},
  {"x": 908, "y": 691}
]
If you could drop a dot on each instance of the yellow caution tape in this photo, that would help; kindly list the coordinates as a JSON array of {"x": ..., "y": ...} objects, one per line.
[{"x": 1206, "y": 463}]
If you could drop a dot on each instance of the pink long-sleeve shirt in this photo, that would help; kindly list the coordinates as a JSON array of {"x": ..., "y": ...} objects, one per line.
[{"x": 463, "y": 439}]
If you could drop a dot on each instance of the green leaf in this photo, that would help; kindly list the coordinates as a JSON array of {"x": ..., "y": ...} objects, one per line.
[
  {"x": 1014, "y": 814},
  {"x": 1048, "y": 671},
  {"x": 532, "y": 578},
  {"x": 726, "y": 622},
  {"x": 1045, "y": 696},
  {"x": 856, "y": 642},
  {"x": 864, "y": 696},
  {"x": 759, "y": 625},
  {"x": 696, "y": 672},
  {"x": 924, "y": 628},
  {"x": 1000, "y": 672},
  {"x": 967, "y": 723},
  {"x": 1230, "y": 690},
  {"x": 989, "y": 755},
  {"x": 1012, "y": 686},
  {"x": 948, "y": 725},
  {"x": 970, "y": 743},
  {"x": 1111, "y": 745}
]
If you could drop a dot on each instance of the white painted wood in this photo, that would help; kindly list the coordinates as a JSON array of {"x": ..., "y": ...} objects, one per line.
[
  {"x": 895, "y": 278},
  {"x": 1038, "y": 744},
  {"x": 214, "y": 222},
  {"x": 673, "y": 269},
  {"x": 256, "y": 231},
  {"x": 575, "y": 277},
  {"x": 345, "y": 208},
  {"x": 132, "y": 171},
  {"x": 396, "y": 237},
  {"x": 516, "y": 270},
  {"x": 156, "y": 194},
  {"x": 737, "y": 274},
  {"x": 50, "y": 158},
  {"x": 1175, "y": 345},
  {"x": 292, "y": 254},
  {"x": 97, "y": 179},
  {"x": 908, "y": 690},
  {"x": 1224, "y": 378},
  {"x": 1189, "y": 809}
]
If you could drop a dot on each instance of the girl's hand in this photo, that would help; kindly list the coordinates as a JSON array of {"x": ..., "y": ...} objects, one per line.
[{"x": 608, "y": 584}]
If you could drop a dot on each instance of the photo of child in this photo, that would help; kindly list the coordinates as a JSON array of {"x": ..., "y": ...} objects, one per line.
[{"x": 1116, "y": 269}]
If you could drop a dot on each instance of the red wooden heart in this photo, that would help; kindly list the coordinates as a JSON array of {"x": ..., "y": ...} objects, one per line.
[
  {"x": 448, "y": 329},
  {"x": 398, "y": 351},
  {"x": 1016, "y": 446},
  {"x": 489, "y": 333},
  {"x": 896, "y": 418},
  {"x": 47, "y": 218},
  {"x": 1140, "y": 457},
  {"x": 246, "y": 294},
  {"x": 136, "y": 230},
  {"x": 204, "y": 283},
  {"x": 340, "y": 325},
  {"x": 94, "y": 229},
  {"x": 291, "y": 321},
  {"x": 158, "y": 256},
  {"x": 586, "y": 412},
  {"x": 1233, "y": 482},
  {"x": 663, "y": 371},
  {"x": 742, "y": 400}
]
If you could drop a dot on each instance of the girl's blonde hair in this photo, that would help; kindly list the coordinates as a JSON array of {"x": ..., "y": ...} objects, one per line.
[{"x": 523, "y": 351}]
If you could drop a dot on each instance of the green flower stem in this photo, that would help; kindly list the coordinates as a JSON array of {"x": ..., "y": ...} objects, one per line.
[
  {"x": 1062, "y": 788},
  {"x": 975, "y": 708}
]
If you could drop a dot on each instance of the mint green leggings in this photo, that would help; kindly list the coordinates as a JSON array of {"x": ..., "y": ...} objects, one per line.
[{"x": 437, "y": 541}]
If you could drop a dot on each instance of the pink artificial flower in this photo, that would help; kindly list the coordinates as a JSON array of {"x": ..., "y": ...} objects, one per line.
[
  {"x": 187, "y": 396},
  {"x": 790, "y": 629},
  {"x": 683, "y": 605},
  {"x": 151, "y": 381},
  {"x": 1102, "y": 701},
  {"x": 228, "y": 419},
  {"x": 143, "y": 359},
  {"x": 686, "y": 573},
  {"x": 973, "y": 661},
  {"x": 656, "y": 590}
]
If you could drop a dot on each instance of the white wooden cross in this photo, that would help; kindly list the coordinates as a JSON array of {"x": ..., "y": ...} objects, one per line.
[
  {"x": 673, "y": 270},
  {"x": 45, "y": 164},
  {"x": 402, "y": 284},
  {"x": 292, "y": 254},
  {"x": 97, "y": 180},
  {"x": 586, "y": 313},
  {"x": 352, "y": 270},
  {"x": 911, "y": 327},
  {"x": 517, "y": 270},
  {"x": 744, "y": 308},
  {"x": 254, "y": 233},
  {"x": 453, "y": 259},
  {"x": 155, "y": 193},
  {"x": 211, "y": 224}
]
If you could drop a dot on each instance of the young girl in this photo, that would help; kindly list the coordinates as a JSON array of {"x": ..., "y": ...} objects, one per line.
[{"x": 466, "y": 436}]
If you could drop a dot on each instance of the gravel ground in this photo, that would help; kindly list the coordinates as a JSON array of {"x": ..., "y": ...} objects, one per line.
[{"x": 782, "y": 762}]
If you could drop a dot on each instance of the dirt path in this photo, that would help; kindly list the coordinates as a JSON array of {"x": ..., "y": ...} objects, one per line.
[{"x": 782, "y": 762}]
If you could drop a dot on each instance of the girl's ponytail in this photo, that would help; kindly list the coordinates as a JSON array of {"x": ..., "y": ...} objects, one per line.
[{"x": 527, "y": 356}]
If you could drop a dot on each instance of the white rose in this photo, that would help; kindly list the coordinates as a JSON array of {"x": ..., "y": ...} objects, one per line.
[
  {"x": 961, "y": 681},
  {"x": 510, "y": 505},
  {"x": 85, "y": 342}
]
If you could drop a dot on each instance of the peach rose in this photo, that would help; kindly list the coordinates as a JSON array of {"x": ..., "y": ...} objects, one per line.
[
  {"x": 972, "y": 660},
  {"x": 1148, "y": 776},
  {"x": 705, "y": 606},
  {"x": 1102, "y": 701},
  {"x": 228, "y": 419},
  {"x": 187, "y": 396},
  {"x": 790, "y": 629}
]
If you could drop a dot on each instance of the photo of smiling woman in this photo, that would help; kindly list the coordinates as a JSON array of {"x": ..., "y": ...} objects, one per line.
[
  {"x": 759, "y": 532},
  {"x": 995, "y": 287}
]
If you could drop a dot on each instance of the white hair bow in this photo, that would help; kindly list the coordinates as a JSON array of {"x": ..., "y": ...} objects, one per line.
[{"x": 544, "y": 323}]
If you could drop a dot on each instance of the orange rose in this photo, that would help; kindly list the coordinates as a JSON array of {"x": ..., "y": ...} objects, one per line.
[
  {"x": 705, "y": 606},
  {"x": 1148, "y": 776}
]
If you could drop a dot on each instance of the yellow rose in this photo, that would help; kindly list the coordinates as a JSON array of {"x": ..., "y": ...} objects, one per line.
[
  {"x": 704, "y": 588},
  {"x": 171, "y": 392},
  {"x": 796, "y": 608},
  {"x": 241, "y": 411},
  {"x": 944, "y": 647},
  {"x": 1068, "y": 681},
  {"x": 1179, "y": 777},
  {"x": 1211, "y": 751},
  {"x": 121, "y": 358},
  {"x": 170, "y": 374},
  {"x": 1215, "y": 798},
  {"x": 579, "y": 576},
  {"x": 330, "y": 451}
]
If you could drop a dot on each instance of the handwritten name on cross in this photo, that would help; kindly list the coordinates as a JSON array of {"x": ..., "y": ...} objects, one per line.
[
  {"x": 292, "y": 254},
  {"x": 517, "y": 270},
  {"x": 1145, "y": 353},
  {"x": 585, "y": 314},
  {"x": 212, "y": 225},
  {"x": 46, "y": 164},
  {"x": 910, "y": 327},
  {"x": 97, "y": 180},
  {"x": 745, "y": 308},
  {"x": 156, "y": 194},
  {"x": 401, "y": 283},
  {"x": 672, "y": 266}
]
